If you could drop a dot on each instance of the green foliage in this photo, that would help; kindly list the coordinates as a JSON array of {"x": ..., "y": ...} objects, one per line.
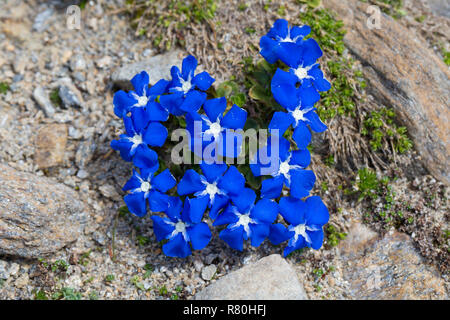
[
  {"x": 40, "y": 295},
  {"x": 123, "y": 211},
  {"x": 4, "y": 87},
  {"x": 93, "y": 295},
  {"x": 66, "y": 294},
  {"x": 230, "y": 90},
  {"x": 136, "y": 281},
  {"x": 367, "y": 184},
  {"x": 380, "y": 126},
  {"x": 59, "y": 265},
  {"x": 393, "y": 8},
  {"x": 310, "y": 3},
  {"x": 142, "y": 241},
  {"x": 334, "y": 236},
  {"x": 446, "y": 55},
  {"x": 110, "y": 278},
  {"x": 55, "y": 98}
]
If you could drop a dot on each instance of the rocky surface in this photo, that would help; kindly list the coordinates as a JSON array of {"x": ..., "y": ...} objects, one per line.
[
  {"x": 387, "y": 268},
  {"x": 271, "y": 278},
  {"x": 403, "y": 73},
  {"x": 37, "y": 215}
]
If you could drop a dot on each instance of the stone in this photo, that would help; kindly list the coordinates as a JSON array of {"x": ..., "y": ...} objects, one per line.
[
  {"x": 68, "y": 97},
  {"x": 77, "y": 63},
  {"x": 440, "y": 7},
  {"x": 109, "y": 191},
  {"x": 41, "y": 97},
  {"x": 270, "y": 278},
  {"x": 50, "y": 144},
  {"x": 22, "y": 281},
  {"x": 38, "y": 216},
  {"x": 387, "y": 268},
  {"x": 208, "y": 272},
  {"x": 104, "y": 62},
  {"x": 403, "y": 73},
  {"x": 158, "y": 67},
  {"x": 41, "y": 21}
]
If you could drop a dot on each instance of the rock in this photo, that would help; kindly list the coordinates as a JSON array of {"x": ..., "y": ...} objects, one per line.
[
  {"x": 403, "y": 73},
  {"x": 50, "y": 145},
  {"x": 440, "y": 7},
  {"x": 158, "y": 67},
  {"x": 41, "y": 21},
  {"x": 268, "y": 278},
  {"x": 43, "y": 101},
  {"x": 68, "y": 97},
  {"x": 22, "y": 281},
  {"x": 387, "y": 268},
  {"x": 208, "y": 272},
  {"x": 37, "y": 215},
  {"x": 109, "y": 191},
  {"x": 104, "y": 62},
  {"x": 77, "y": 63},
  {"x": 7, "y": 114},
  {"x": 4, "y": 274}
]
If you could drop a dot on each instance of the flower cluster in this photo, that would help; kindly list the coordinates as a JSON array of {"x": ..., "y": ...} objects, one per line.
[{"x": 217, "y": 188}]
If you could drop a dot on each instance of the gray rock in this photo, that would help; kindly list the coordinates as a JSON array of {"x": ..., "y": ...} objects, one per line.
[
  {"x": 43, "y": 101},
  {"x": 4, "y": 273},
  {"x": 158, "y": 67},
  {"x": 41, "y": 21},
  {"x": 68, "y": 97},
  {"x": 37, "y": 215},
  {"x": 208, "y": 272},
  {"x": 77, "y": 63},
  {"x": 269, "y": 278},
  {"x": 440, "y": 7}
]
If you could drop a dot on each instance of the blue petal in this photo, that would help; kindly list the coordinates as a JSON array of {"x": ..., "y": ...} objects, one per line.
[
  {"x": 265, "y": 211},
  {"x": 190, "y": 183},
  {"x": 140, "y": 119},
  {"x": 300, "y": 158},
  {"x": 232, "y": 181},
  {"x": 176, "y": 74},
  {"x": 194, "y": 209},
  {"x": 315, "y": 123},
  {"x": 308, "y": 95},
  {"x": 136, "y": 203},
  {"x": 229, "y": 144},
  {"x": 300, "y": 32},
  {"x": 203, "y": 81},
  {"x": 156, "y": 112},
  {"x": 280, "y": 28},
  {"x": 123, "y": 146},
  {"x": 213, "y": 171},
  {"x": 161, "y": 228},
  {"x": 301, "y": 243},
  {"x": 316, "y": 211},
  {"x": 302, "y": 181},
  {"x": 177, "y": 247},
  {"x": 140, "y": 82},
  {"x": 290, "y": 53},
  {"x": 133, "y": 183},
  {"x": 292, "y": 210},
  {"x": 188, "y": 67},
  {"x": 320, "y": 82},
  {"x": 155, "y": 134},
  {"x": 271, "y": 188},
  {"x": 234, "y": 237},
  {"x": 164, "y": 181},
  {"x": 268, "y": 46},
  {"x": 278, "y": 233},
  {"x": 283, "y": 89},
  {"x": 122, "y": 102},
  {"x": 172, "y": 103},
  {"x": 312, "y": 52},
  {"x": 175, "y": 205},
  {"x": 200, "y": 235},
  {"x": 259, "y": 232},
  {"x": 302, "y": 135},
  {"x": 129, "y": 126},
  {"x": 193, "y": 101},
  {"x": 228, "y": 216},
  {"x": 316, "y": 238},
  {"x": 215, "y": 107},
  {"x": 281, "y": 121},
  {"x": 235, "y": 118},
  {"x": 244, "y": 200},
  {"x": 158, "y": 202},
  {"x": 158, "y": 88},
  {"x": 220, "y": 201}
]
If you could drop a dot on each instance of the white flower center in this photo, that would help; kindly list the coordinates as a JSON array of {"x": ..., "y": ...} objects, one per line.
[
  {"x": 180, "y": 227},
  {"x": 214, "y": 129},
  {"x": 142, "y": 101},
  {"x": 300, "y": 230},
  {"x": 135, "y": 140},
  {"x": 298, "y": 115},
  {"x": 145, "y": 186},
  {"x": 185, "y": 85},
  {"x": 212, "y": 189},
  {"x": 284, "y": 168},
  {"x": 301, "y": 73}
]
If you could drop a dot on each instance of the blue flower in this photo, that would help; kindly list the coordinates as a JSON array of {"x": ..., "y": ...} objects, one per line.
[
  {"x": 185, "y": 97},
  {"x": 281, "y": 39},
  {"x": 300, "y": 114},
  {"x": 140, "y": 133},
  {"x": 304, "y": 69},
  {"x": 288, "y": 170},
  {"x": 247, "y": 220},
  {"x": 182, "y": 230},
  {"x": 214, "y": 187},
  {"x": 145, "y": 187},
  {"x": 215, "y": 126},
  {"x": 142, "y": 98},
  {"x": 306, "y": 220}
]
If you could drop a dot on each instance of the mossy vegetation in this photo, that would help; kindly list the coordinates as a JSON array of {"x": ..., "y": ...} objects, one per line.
[
  {"x": 4, "y": 87},
  {"x": 394, "y": 8}
]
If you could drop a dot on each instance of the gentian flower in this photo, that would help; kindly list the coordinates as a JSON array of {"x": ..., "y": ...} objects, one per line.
[
  {"x": 247, "y": 220},
  {"x": 182, "y": 227},
  {"x": 184, "y": 95},
  {"x": 140, "y": 133},
  {"x": 142, "y": 97},
  {"x": 299, "y": 115},
  {"x": 289, "y": 170},
  {"x": 304, "y": 69},
  {"x": 306, "y": 220},
  {"x": 214, "y": 187},
  {"x": 214, "y": 125},
  {"x": 146, "y": 188},
  {"x": 281, "y": 40}
]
